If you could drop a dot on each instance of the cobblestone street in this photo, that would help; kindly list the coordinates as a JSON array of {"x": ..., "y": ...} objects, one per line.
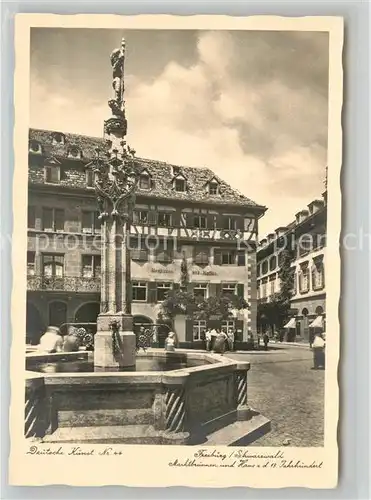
[{"x": 282, "y": 386}]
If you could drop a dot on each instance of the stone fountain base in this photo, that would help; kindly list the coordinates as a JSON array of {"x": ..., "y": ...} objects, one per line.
[
  {"x": 114, "y": 349},
  {"x": 204, "y": 404}
]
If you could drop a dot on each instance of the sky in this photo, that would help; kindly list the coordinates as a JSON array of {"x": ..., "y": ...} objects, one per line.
[{"x": 250, "y": 105}]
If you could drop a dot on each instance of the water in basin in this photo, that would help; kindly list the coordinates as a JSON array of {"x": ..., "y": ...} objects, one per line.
[{"x": 142, "y": 365}]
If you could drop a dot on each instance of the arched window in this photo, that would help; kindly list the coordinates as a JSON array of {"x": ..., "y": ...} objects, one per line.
[
  {"x": 319, "y": 311},
  {"x": 305, "y": 312},
  {"x": 265, "y": 267}
]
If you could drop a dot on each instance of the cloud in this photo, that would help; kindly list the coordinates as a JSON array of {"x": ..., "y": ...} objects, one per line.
[{"x": 251, "y": 106}]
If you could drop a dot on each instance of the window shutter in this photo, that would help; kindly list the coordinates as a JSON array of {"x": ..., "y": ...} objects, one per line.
[
  {"x": 217, "y": 257},
  {"x": 152, "y": 217},
  {"x": 240, "y": 290},
  {"x": 189, "y": 330},
  {"x": 241, "y": 258},
  {"x": 151, "y": 296}
]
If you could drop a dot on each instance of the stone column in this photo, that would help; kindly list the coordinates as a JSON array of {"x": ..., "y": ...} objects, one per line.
[
  {"x": 115, "y": 183},
  {"x": 243, "y": 409}
]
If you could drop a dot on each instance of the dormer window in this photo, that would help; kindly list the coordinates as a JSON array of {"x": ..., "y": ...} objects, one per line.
[
  {"x": 52, "y": 171},
  {"x": 58, "y": 139},
  {"x": 35, "y": 147},
  {"x": 213, "y": 188},
  {"x": 144, "y": 181},
  {"x": 180, "y": 185},
  {"x": 74, "y": 152}
]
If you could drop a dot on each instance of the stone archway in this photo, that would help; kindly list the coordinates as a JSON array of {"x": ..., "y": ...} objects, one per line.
[
  {"x": 57, "y": 313},
  {"x": 35, "y": 326},
  {"x": 87, "y": 313}
]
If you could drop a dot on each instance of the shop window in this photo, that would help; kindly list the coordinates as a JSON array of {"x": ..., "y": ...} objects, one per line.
[
  {"x": 199, "y": 329},
  {"x": 228, "y": 326}
]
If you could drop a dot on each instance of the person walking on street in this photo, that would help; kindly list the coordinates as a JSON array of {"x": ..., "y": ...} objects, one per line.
[
  {"x": 208, "y": 339},
  {"x": 230, "y": 336},
  {"x": 318, "y": 348}
]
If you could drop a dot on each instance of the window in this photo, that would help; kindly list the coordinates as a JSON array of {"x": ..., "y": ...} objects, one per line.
[
  {"x": 272, "y": 263},
  {"x": 265, "y": 267},
  {"x": 304, "y": 244},
  {"x": 90, "y": 178},
  {"x": 241, "y": 259},
  {"x": 139, "y": 250},
  {"x": 228, "y": 326},
  {"x": 263, "y": 289},
  {"x": 31, "y": 217},
  {"x": 229, "y": 223},
  {"x": 200, "y": 290},
  {"x": 52, "y": 174},
  {"x": 144, "y": 181},
  {"x": 229, "y": 288},
  {"x": 31, "y": 263},
  {"x": 90, "y": 222},
  {"x": 53, "y": 265},
  {"x": 201, "y": 255},
  {"x": 91, "y": 266},
  {"x": 161, "y": 291},
  {"x": 35, "y": 147},
  {"x": 74, "y": 152},
  {"x": 164, "y": 253},
  {"x": 272, "y": 287},
  {"x": 199, "y": 329},
  {"x": 139, "y": 291},
  {"x": 164, "y": 219},
  {"x": 304, "y": 279},
  {"x": 213, "y": 188},
  {"x": 199, "y": 221},
  {"x": 140, "y": 217},
  {"x": 318, "y": 275},
  {"x": 53, "y": 219},
  {"x": 228, "y": 257},
  {"x": 180, "y": 185},
  {"x": 58, "y": 138}
]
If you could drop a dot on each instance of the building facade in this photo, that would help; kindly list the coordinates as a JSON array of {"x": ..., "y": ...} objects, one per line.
[
  {"x": 179, "y": 211},
  {"x": 306, "y": 238}
]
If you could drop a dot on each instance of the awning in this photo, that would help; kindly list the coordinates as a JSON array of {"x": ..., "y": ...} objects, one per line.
[
  {"x": 317, "y": 323},
  {"x": 291, "y": 323}
]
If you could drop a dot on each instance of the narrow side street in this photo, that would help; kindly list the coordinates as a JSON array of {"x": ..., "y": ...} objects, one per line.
[{"x": 283, "y": 387}]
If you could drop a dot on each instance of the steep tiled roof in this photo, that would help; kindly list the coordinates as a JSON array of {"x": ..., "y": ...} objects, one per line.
[{"x": 160, "y": 172}]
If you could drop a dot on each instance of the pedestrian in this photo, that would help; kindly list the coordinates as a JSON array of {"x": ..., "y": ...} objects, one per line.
[
  {"x": 208, "y": 339},
  {"x": 220, "y": 342},
  {"x": 318, "y": 348},
  {"x": 230, "y": 336},
  {"x": 265, "y": 340},
  {"x": 213, "y": 334}
]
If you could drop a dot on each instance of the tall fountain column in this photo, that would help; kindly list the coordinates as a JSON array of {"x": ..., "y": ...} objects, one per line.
[{"x": 115, "y": 181}]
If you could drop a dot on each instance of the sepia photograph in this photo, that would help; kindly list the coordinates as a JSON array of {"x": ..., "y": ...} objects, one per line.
[{"x": 176, "y": 241}]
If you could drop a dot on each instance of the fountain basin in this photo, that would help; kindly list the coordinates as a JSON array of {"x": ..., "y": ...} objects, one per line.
[{"x": 202, "y": 398}]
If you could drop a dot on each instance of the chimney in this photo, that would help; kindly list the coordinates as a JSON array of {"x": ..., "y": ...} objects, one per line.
[
  {"x": 301, "y": 216},
  {"x": 315, "y": 206},
  {"x": 280, "y": 231}
]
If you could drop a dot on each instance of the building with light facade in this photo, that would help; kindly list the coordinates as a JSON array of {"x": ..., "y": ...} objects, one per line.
[
  {"x": 179, "y": 211},
  {"x": 306, "y": 237}
]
